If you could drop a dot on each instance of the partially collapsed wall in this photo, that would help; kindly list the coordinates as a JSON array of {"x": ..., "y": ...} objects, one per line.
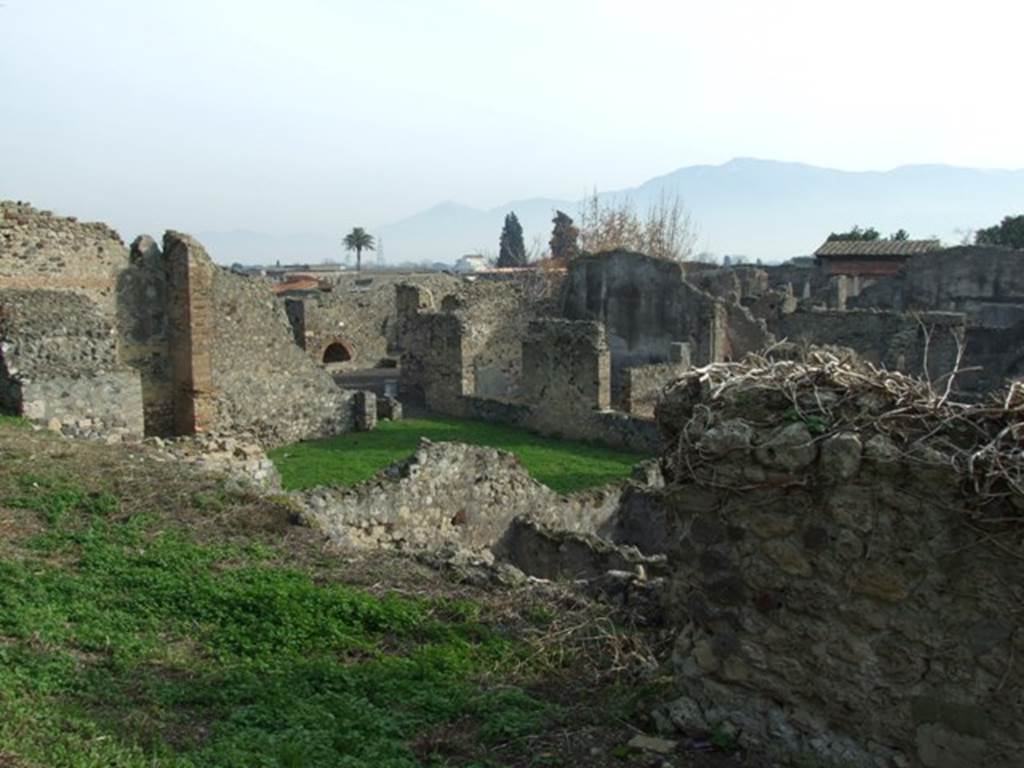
[
  {"x": 41, "y": 251},
  {"x": 232, "y": 363},
  {"x": 844, "y": 548},
  {"x": 565, "y": 376},
  {"x": 358, "y": 313},
  {"x": 923, "y": 344},
  {"x": 107, "y": 342},
  {"x": 479, "y": 500},
  {"x": 647, "y": 305},
  {"x": 59, "y": 365}
]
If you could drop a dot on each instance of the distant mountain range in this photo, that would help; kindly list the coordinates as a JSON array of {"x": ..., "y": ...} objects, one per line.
[{"x": 761, "y": 209}]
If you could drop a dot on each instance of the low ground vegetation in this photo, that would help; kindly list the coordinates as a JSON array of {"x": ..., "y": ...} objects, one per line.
[
  {"x": 151, "y": 618},
  {"x": 565, "y": 466}
]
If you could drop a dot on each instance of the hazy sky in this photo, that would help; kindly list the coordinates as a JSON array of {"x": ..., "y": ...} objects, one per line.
[{"x": 315, "y": 116}]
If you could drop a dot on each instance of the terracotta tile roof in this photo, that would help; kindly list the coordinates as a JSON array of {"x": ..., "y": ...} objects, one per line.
[
  {"x": 303, "y": 284},
  {"x": 847, "y": 248}
]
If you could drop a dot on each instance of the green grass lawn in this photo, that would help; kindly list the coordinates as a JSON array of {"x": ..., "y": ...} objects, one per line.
[
  {"x": 123, "y": 643},
  {"x": 149, "y": 618},
  {"x": 563, "y": 465}
]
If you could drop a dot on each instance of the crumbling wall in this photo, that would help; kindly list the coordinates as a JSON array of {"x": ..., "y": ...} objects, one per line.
[
  {"x": 900, "y": 342},
  {"x": 262, "y": 382},
  {"x": 646, "y": 305},
  {"x": 217, "y": 353},
  {"x": 645, "y": 383},
  {"x": 566, "y": 368},
  {"x": 41, "y": 251},
  {"x": 360, "y": 310},
  {"x": 479, "y": 499},
  {"x": 59, "y": 365},
  {"x": 144, "y": 333},
  {"x": 984, "y": 282},
  {"x": 844, "y": 554},
  {"x": 565, "y": 376}
]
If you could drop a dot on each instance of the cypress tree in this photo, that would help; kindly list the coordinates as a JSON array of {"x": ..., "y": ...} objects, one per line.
[
  {"x": 511, "y": 249},
  {"x": 564, "y": 241}
]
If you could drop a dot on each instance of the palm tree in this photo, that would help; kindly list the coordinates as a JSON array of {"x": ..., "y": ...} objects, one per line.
[{"x": 358, "y": 240}]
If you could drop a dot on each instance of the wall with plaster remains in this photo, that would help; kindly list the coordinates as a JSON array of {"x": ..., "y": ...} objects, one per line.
[{"x": 646, "y": 305}]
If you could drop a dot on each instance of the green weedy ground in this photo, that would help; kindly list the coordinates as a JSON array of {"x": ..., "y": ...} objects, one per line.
[
  {"x": 563, "y": 465},
  {"x": 149, "y": 618}
]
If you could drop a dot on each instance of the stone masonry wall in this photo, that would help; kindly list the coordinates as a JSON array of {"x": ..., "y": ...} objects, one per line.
[
  {"x": 39, "y": 250},
  {"x": 263, "y": 383},
  {"x": 59, "y": 365},
  {"x": 984, "y": 282},
  {"x": 451, "y": 493},
  {"x": 891, "y": 339},
  {"x": 566, "y": 368},
  {"x": 646, "y": 305},
  {"x": 144, "y": 334},
  {"x": 644, "y": 383},
  {"x": 191, "y": 330},
  {"x": 840, "y": 596},
  {"x": 360, "y": 311}
]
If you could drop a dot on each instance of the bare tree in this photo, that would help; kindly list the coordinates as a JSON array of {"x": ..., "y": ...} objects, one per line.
[{"x": 665, "y": 231}]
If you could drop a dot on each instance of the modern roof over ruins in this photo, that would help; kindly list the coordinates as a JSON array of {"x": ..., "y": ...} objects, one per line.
[{"x": 876, "y": 248}]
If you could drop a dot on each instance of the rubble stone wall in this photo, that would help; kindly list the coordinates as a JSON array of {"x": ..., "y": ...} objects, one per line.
[
  {"x": 360, "y": 309},
  {"x": 263, "y": 383},
  {"x": 647, "y": 305},
  {"x": 644, "y": 384},
  {"x": 451, "y": 493},
  {"x": 59, "y": 364},
  {"x": 565, "y": 379},
  {"x": 836, "y": 597},
  {"x": 41, "y": 251},
  {"x": 144, "y": 332},
  {"x": 566, "y": 368},
  {"x": 985, "y": 282},
  {"x": 894, "y": 340}
]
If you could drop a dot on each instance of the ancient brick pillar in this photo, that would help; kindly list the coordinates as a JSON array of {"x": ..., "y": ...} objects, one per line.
[{"x": 191, "y": 331}]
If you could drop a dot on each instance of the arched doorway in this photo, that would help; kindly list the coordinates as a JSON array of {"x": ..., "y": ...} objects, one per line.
[{"x": 337, "y": 351}]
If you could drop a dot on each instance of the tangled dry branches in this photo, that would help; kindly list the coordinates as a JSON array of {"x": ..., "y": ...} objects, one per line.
[{"x": 835, "y": 391}]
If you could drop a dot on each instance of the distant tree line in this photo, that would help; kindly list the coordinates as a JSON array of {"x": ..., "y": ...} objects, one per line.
[
  {"x": 1009, "y": 233},
  {"x": 868, "y": 235}
]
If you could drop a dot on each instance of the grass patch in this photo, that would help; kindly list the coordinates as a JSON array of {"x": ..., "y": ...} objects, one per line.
[
  {"x": 125, "y": 643},
  {"x": 565, "y": 466},
  {"x": 10, "y": 420}
]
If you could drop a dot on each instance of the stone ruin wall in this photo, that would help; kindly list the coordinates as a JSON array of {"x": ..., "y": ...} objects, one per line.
[
  {"x": 647, "y": 306},
  {"x": 233, "y": 363},
  {"x": 565, "y": 379},
  {"x": 359, "y": 312},
  {"x": 59, "y": 365},
  {"x": 160, "y": 341},
  {"x": 835, "y": 598},
  {"x": 41, "y": 251},
  {"x": 986, "y": 284},
  {"x": 477, "y": 504},
  {"x": 919, "y": 344}
]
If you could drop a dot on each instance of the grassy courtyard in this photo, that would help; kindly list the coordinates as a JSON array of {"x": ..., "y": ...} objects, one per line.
[
  {"x": 563, "y": 465},
  {"x": 151, "y": 619}
]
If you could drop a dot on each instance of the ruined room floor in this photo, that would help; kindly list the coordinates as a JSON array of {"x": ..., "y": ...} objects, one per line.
[{"x": 571, "y": 685}]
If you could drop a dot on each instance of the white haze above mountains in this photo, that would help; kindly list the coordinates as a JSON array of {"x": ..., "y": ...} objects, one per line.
[{"x": 761, "y": 209}]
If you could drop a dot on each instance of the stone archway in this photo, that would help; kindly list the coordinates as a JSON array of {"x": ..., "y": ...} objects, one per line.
[{"x": 337, "y": 351}]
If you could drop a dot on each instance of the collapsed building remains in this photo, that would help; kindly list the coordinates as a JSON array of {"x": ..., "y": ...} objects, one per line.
[{"x": 91, "y": 329}]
